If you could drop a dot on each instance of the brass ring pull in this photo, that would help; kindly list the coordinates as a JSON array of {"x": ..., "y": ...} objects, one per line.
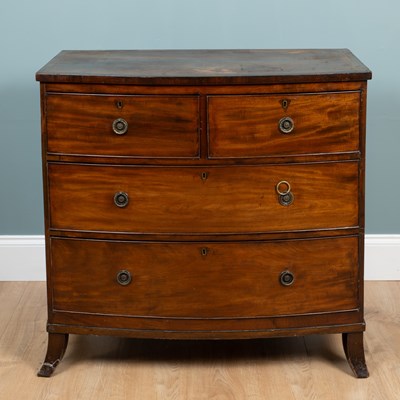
[
  {"x": 120, "y": 126},
  {"x": 124, "y": 277},
  {"x": 121, "y": 199},
  {"x": 286, "y": 278},
  {"x": 286, "y": 125},
  {"x": 279, "y": 189},
  {"x": 285, "y": 196}
]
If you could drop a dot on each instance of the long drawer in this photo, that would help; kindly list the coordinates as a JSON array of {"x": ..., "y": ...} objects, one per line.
[
  {"x": 205, "y": 280},
  {"x": 240, "y": 199},
  {"x": 284, "y": 124},
  {"x": 125, "y": 126}
]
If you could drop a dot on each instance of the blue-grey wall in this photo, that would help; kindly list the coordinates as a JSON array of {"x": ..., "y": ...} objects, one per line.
[{"x": 32, "y": 32}]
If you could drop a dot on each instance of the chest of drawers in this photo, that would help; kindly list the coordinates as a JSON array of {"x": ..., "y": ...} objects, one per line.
[{"x": 204, "y": 195}]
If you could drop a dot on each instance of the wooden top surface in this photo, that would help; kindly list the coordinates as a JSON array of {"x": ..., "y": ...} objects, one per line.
[{"x": 194, "y": 67}]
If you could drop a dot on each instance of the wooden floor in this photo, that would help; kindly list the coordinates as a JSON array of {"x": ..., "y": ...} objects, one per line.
[{"x": 119, "y": 369}]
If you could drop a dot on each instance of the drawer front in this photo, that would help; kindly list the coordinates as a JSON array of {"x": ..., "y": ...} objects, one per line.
[
  {"x": 249, "y": 126},
  {"x": 156, "y": 126},
  {"x": 239, "y": 199},
  {"x": 205, "y": 280}
]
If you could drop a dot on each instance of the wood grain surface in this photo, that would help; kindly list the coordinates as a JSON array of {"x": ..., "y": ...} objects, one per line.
[
  {"x": 191, "y": 280},
  {"x": 230, "y": 200},
  {"x": 183, "y": 67},
  {"x": 247, "y": 126},
  {"x": 158, "y": 126}
]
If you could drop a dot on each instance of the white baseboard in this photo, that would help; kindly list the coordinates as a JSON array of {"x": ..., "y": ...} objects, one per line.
[
  {"x": 382, "y": 257},
  {"x": 22, "y": 258}
]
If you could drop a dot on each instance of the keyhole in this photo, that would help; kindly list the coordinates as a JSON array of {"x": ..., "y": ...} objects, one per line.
[
  {"x": 119, "y": 104},
  {"x": 204, "y": 175},
  {"x": 204, "y": 251},
  {"x": 285, "y": 104}
]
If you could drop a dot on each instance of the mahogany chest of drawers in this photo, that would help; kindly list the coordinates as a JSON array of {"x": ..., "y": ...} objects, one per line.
[{"x": 204, "y": 195}]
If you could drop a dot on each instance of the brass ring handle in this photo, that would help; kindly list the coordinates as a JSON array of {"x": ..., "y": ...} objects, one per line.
[
  {"x": 286, "y": 278},
  {"x": 120, "y": 126},
  {"x": 285, "y": 196},
  {"x": 121, "y": 199},
  {"x": 286, "y": 125},
  {"x": 280, "y": 191},
  {"x": 124, "y": 277}
]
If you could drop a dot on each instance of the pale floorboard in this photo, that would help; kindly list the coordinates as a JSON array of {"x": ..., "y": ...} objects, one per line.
[{"x": 118, "y": 369}]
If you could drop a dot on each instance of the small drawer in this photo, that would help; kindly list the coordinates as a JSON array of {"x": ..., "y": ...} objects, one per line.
[
  {"x": 283, "y": 125},
  {"x": 205, "y": 280},
  {"x": 225, "y": 200},
  {"x": 125, "y": 126}
]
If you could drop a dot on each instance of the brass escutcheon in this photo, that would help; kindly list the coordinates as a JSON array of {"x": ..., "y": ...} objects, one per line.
[
  {"x": 286, "y": 200},
  {"x": 285, "y": 104},
  {"x": 204, "y": 175}
]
